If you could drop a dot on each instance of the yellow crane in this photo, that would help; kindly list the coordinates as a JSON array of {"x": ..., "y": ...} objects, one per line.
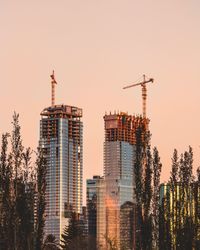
[{"x": 144, "y": 91}]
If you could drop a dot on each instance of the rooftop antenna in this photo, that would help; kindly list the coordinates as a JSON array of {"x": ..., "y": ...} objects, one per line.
[{"x": 53, "y": 83}]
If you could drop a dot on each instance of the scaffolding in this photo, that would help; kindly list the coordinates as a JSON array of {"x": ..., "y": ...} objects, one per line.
[{"x": 122, "y": 127}]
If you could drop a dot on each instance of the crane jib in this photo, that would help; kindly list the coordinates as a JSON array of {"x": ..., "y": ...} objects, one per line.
[{"x": 144, "y": 91}]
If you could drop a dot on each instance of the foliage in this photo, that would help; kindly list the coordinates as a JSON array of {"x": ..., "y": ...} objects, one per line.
[
  {"x": 138, "y": 171},
  {"x": 198, "y": 174},
  {"x": 6, "y": 207},
  {"x": 157, "y": 167},
  {"x": 175, "y": 168},
  {"x": 41, "y": 188},
  {"x": 73, "y": 236},
  {"x": 143, "y": 190},
  {"x": 147, "y": 194},
  {"x": 50, "y": 243},
  {"x": 179, "y": 210},
  {"x": 164, "y": 223},
  {"x": 18, "y": 191}
]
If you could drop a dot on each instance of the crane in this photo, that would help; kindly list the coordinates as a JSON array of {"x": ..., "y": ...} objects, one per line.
[
  {"x": 144, "y": 91},
  {"x": 53, "y": 82}
]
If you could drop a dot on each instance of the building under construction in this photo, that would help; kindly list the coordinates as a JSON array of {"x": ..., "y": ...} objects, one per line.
[
  {"x": 61, "y": 141},
  {"x": 61, "y": 133},
  {"x": 119, "y": 198}
]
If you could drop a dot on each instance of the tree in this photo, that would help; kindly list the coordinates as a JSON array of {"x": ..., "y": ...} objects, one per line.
[
  {"x": 143, "y": 170},
  {"x": 173, "y": 182},
  {"x": 41, "y": 203},
  {"x": 16, "y": 158},
  {"x": 73, "y": 236},
  {"x": 138, "y": 173},
  {"x": 186, "y": 225},
  {"x": 147, "y": 195},
  {"x": 23, "y": 190},
  {"x": 186, "y": 167},
  {"x": 157, "y": 167},
  {"x": 175, "y": 168},
  {"x": 164, "y": 222},
  {"x": 18, "y": 192},
  {"x": 6, "y": 223},
  {"x": 50, "y": 243},
  {"x": 27, "y": 195},
  {"x": 198, "y": 174},
  {"x": 179, "y": 209},
  {"x": 196, "y": 192}
]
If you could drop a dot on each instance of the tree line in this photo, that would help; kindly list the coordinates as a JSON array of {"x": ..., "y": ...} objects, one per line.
[
  {"x": 22, "y": 199},
  {"x": 180, "y": 205},
  {"x": 168, "y": 214},
  {"x": 22, "y": 189}
]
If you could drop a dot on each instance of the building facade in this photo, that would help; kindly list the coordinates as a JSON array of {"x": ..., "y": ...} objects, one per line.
[{"x": 61, "y": 140}]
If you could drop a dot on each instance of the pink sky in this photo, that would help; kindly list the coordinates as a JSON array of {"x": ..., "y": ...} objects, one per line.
[{"x": 95, "y": 48}]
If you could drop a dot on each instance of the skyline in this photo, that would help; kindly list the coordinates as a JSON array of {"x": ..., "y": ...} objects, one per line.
[{"x": 96, "y": 49}]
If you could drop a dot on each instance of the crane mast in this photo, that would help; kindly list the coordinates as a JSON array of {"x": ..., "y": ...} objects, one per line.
[
  {"x": 144, "y": 92},
  {"x": 53, "y": 83}
]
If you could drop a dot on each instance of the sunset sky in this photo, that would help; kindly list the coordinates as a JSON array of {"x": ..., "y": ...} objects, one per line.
[{"x": 96, "y": 48}]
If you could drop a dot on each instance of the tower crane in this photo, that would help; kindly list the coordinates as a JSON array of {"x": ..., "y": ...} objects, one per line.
[
  {"x": 144, "y": 91},
  {"x": 53, "y": 82}
]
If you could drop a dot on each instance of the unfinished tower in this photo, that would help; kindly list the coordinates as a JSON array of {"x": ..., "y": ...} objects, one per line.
[
  {"x": 119, "y": 159},
  {"x": 61, "y": 135}
]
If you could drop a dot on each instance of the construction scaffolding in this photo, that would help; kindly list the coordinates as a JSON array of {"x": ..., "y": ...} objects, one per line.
[{"x": 122, "y": 127}]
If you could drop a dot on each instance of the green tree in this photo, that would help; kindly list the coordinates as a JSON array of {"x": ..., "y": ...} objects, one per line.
[
  {"x": 23, "y": 189},
  {"x": 41, "y": 203},
  {"x": 138, "y": 172},
  {"x": 73, "y": 236},
  {"x": 186, "y": 225},
  {"x": 147, "y": 195},
  {"x": 175, "y": 168},
  {"x": 16, "y": 158},
  {"x": 157, "y": 167},
  {"x": 17, "y": 189},
  {"x": 143, "y": 171},
  {"x": 177, "y": 224},
  {"x": 6, "y": 223},
  {"x": 50, "y": 243},
  {"x": 196, "y": 192},
  {"x": 198, "y": 174},
  {"x": 164, "y": 222},
  {"x": 174, "y": 182},
  {"x": 18, "y": 192},
  {"x": 27, "y": 194}
]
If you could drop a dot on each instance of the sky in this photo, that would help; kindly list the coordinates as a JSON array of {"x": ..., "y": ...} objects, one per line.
[{"x": 96, "y": 48}]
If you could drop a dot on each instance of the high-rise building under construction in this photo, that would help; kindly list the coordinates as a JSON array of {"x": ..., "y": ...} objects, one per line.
[
  {"x": 61, "y": 133},
  {"x": 119, "y": 160}
]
